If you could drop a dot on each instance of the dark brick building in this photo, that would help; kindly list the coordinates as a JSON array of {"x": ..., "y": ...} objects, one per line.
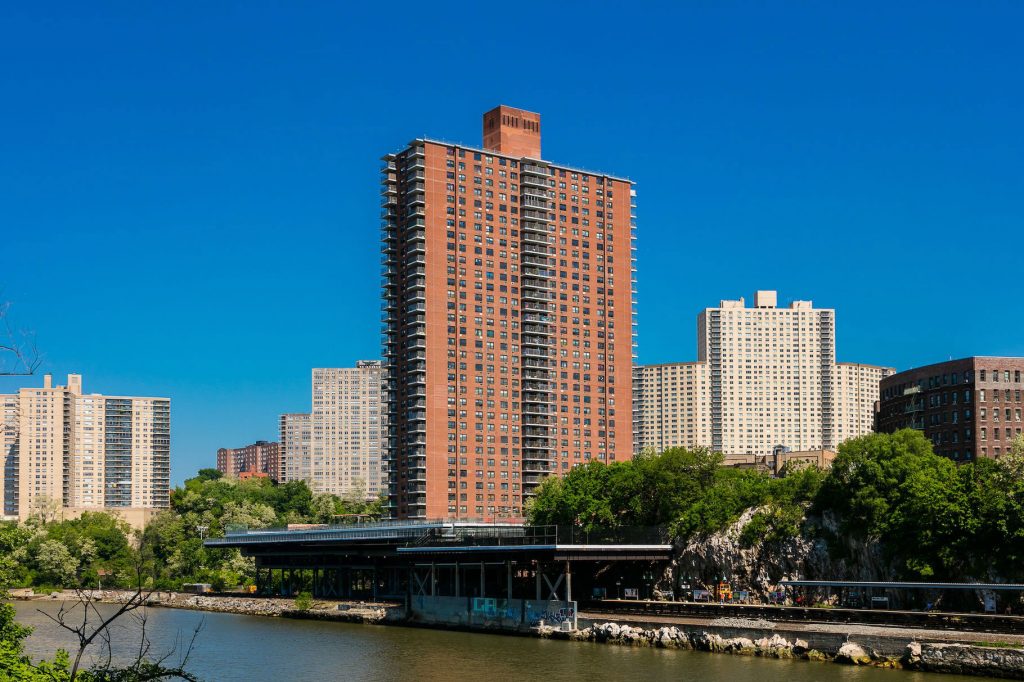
[
  {"x": 968, "y": 408},
  {"x": 261, "y": 457}
]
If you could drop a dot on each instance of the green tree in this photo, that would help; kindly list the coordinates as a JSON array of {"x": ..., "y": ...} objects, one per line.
[
  {"x": 688, "y": 490},
  {"x": 893, "y": 488},
  {"x": 55, "y": 564},
  {"x": 209, "y": 475},
  {"x": 13, "y": 541},
  {"x": 323, "y": 508}
]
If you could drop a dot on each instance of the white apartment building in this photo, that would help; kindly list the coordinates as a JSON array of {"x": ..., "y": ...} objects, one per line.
[
  {"x": 64, "y": 449},
  {"x": 337, "y": 447},
  {"x": 765, "y": 376}
]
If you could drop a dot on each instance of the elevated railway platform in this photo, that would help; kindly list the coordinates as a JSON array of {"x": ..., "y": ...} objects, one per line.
[
  {"x": 664, "y": 611},
  {"x": 507, "y": 572}
]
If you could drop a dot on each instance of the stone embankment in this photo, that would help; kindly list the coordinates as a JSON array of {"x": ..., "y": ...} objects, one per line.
[
  {"x": 343, "y": 611},
  {"x": 961, "y": 659}
]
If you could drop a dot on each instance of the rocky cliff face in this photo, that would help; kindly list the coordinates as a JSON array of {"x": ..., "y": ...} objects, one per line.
[{"x": 761, "y": 566}]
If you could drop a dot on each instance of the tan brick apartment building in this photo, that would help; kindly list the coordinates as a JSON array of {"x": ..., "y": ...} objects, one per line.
[
  {"x": 508, "y": 329},
  {"x": 75, "y": 451},
  {"x": 968, "y": 408}
]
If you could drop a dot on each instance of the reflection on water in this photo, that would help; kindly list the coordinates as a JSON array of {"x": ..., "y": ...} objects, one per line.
[{"x": 234, "y": 647}]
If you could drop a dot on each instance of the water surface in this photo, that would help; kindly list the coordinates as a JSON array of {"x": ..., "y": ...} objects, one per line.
[{"x": 232, "y": 647}]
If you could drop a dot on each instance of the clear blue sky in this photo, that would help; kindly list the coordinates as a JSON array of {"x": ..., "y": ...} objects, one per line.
[{"x": 189, "y": 200}]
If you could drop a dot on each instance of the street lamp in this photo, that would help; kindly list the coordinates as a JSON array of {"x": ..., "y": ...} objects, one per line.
[
  {"x": 618, "y": 584},
  {"x": 202, "y": 534}
]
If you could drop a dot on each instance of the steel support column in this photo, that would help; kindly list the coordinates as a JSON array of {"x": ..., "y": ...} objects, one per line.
[{"x": 568, "y": 582}]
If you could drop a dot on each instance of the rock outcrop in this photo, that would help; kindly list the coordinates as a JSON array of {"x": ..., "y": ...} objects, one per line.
[{"x": 760, "y": 567}]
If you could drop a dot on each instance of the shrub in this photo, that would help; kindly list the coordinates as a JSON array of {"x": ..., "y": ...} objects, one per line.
[{"x": 304, "y": 602}]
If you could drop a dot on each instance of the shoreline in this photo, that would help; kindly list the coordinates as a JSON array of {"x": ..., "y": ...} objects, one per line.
[{"x": 901, "y": 648}]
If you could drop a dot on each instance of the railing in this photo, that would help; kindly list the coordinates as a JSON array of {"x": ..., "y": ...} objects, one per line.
[
  {"x": 243, "y": 530},
  {"x": 437, "y": 532},
  {"x": 622, "y": 535},
  {"x": 480, "y": 536}
]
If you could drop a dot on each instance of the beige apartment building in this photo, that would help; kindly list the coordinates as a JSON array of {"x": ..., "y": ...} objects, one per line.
[
  {"x": 765, "y": 376},
  {"x": 337, "y": 447},
  {"x": 70, "y": 451},
  {"x": 296, "y": 436},
  {"x": 857, "y": 392},
  {"x": 673, "y": 405}
]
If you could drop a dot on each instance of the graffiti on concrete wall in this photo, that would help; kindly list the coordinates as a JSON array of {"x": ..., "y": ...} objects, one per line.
[
  {"x": 550, "y": 614},
  {"x": 485, "y": 606}
]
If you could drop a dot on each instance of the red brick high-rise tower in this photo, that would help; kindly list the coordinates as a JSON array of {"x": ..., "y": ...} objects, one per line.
[{"x": 508, "y": 323}]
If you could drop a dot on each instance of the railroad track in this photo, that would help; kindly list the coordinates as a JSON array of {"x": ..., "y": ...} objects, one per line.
[{"x": 935, "y": 620}]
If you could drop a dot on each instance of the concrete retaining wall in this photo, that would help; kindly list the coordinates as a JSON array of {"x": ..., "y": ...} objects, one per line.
[{"x": 490, "y": 613}]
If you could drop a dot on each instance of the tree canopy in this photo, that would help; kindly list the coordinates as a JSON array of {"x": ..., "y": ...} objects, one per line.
[
  {"x": 99, "y": 548},
  {"x": 933, "y": 517}
]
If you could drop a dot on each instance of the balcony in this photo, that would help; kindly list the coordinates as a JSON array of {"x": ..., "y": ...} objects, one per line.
[
  {"x": 543, "y": 465},
  {"x": 537, "y": 295},
  {"x": 531, "y": 270},
  {"x": 536, "y": 341},
  {"x": 535, "y": 283},
  {"x": 534, "y": 214}
]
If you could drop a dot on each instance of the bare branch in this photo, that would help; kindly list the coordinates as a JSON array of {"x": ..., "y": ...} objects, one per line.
[
  {"x": 143, "y": 667},
  {"x": 19, "y": 354}
]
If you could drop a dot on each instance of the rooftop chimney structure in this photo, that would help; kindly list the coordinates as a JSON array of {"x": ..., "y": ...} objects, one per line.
[{"x": 512, "y": 131}]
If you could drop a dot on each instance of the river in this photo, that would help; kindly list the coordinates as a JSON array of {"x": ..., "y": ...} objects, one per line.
[{"x": 232, "y": 647}]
